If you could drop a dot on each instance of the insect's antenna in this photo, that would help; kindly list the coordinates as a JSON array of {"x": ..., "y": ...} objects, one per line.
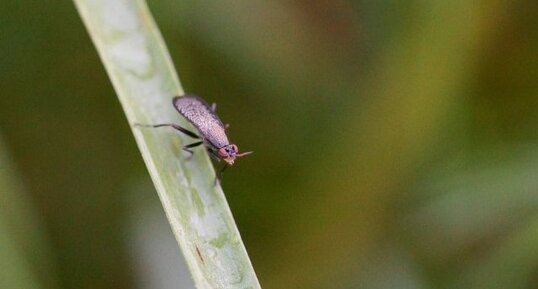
[{"x": 243, "y": 154}]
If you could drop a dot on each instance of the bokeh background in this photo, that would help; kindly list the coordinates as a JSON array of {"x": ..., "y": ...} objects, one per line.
[{"x": 396, "y": 144}]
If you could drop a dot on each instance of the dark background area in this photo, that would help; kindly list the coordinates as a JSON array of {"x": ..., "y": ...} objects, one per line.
[{"x": 396, "y": 143}]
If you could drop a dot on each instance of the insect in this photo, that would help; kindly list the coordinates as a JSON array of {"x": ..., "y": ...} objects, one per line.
[{"x": 212, "y": 132}]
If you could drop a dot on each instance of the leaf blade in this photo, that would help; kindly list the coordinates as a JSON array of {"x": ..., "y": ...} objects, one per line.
[{"x": 142, "y": 73}]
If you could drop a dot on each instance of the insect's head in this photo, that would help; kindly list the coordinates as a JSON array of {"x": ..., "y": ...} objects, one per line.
[{"x": 229, "y": 152}]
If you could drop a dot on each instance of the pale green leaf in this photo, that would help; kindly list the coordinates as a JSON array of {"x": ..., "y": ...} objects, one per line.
[{"x": 144, "y": 78}]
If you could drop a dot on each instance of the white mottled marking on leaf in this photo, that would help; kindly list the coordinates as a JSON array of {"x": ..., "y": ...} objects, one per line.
[
  {"x": 128, "y": 49},
  {"x": 225, "y": 268}
]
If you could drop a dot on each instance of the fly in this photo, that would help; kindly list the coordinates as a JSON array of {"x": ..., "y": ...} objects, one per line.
[{"x": 211, "y": 130}]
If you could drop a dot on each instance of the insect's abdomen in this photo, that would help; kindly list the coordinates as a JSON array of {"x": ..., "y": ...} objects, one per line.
[{"x": 198, "y": 112}]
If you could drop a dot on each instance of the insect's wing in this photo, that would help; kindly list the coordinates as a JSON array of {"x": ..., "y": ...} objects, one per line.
[
  {"x": 195, "y": 109},
  {"x": 187, "y": 99},
  {"x": 199, "y": 113}
]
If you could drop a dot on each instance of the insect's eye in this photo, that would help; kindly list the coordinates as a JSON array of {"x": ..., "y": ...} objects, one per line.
[
  {"x": 234, "y": 147},
  {"x": 223, "y": 153}
]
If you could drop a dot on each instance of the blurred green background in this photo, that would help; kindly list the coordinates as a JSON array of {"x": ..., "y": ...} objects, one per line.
[{"x": 396, "y": 144}]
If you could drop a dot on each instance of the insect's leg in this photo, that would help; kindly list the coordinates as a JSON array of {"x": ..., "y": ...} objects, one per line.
[
  {"x": 214, "y": 107},
  {"x": 226, "y": 126},
  {"x": 213, "y": 155},
  {"x": 175, "y": 126},
  {"x": 187, "y": 148},
  {"x": 218, "y": 177}
]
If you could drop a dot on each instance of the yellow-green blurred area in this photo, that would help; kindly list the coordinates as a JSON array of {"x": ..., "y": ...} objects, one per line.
[{"x": 396, "y": 144}]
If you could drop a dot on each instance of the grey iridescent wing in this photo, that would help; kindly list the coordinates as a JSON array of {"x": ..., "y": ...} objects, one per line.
[{"x": 200, "y": 115}]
